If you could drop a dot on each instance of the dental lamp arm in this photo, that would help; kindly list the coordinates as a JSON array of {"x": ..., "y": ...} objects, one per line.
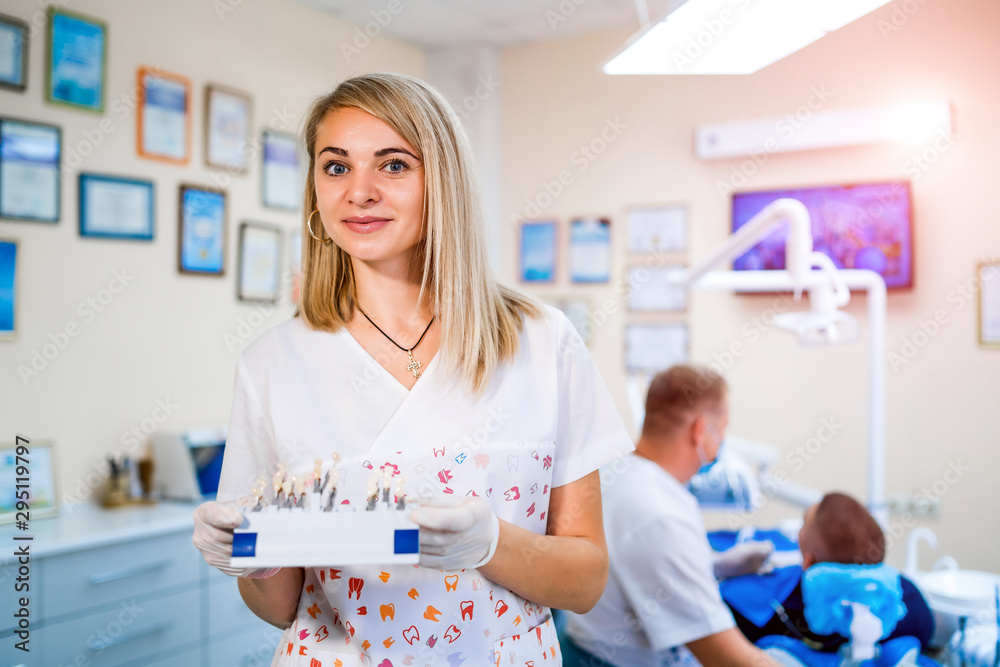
[{"x": 798, "y": 245}]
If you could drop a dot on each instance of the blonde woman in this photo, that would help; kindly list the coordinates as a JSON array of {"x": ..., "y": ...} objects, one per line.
[{"x": 406, "y": 355}]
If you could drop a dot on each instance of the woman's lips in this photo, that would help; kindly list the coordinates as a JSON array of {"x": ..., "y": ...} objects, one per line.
[{"x": 366, "y": 225}]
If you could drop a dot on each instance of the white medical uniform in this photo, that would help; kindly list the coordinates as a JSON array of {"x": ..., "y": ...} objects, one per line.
[
  {"x": 661, "y": 591},
  {"x": 545, "y": 420}
]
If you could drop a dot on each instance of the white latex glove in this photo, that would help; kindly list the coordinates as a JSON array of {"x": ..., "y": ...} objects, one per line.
[
  {"x": 456, "y": 534},
  {"x": 213, "y": 536},
  {"x": 744, "y": 558}
]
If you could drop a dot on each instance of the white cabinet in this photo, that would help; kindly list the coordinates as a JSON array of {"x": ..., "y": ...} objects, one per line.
[{"x": 128, "y": 589}]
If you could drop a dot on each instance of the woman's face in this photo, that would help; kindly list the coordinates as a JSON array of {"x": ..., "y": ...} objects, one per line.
[{"x": 369, "y": 186}]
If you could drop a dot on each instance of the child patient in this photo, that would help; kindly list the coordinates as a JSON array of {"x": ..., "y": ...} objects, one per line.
[{"x": 839, "y": 529}]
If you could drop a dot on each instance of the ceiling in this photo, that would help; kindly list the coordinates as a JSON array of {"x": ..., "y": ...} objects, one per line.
[{"x": 434, "y": 24}]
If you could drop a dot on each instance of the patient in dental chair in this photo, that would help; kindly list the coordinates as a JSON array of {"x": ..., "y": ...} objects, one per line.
[{"x": 838, "y": 529}]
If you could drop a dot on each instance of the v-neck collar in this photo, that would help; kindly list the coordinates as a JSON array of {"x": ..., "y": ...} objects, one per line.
[{"x": 428, "y": 367}]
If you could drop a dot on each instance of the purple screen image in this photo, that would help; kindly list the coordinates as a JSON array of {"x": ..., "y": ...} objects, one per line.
[{"x": 865, "y": 226}]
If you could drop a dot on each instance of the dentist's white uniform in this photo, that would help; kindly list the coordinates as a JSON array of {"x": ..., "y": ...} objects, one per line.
[{"x": 545, "y": 420}]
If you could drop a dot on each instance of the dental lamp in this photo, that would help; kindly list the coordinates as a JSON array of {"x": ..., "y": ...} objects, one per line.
[{"x": 828, "y": 289}]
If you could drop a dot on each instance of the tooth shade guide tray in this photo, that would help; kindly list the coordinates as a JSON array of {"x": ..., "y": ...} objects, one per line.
[{"x": 308, "y": 537}]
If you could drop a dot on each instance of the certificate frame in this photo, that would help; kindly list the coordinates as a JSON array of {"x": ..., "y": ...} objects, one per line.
[
  {"x": 20, "y": 45},
  {"x": 595, "y": 232},
  {"x": 673, "y": 302},
  {"x": 538, "y": 256},
  {"x": 262, "y": 234},
  {"x": 638, "y": 332},
  {"x": 273, "y": 156},
  {"x": 92, "y": 228},
  {"x": 211, "y": 206},
  {"x": 218, "y": 132},
  {"x": 43, "y": 476},
  {"x": 144, "y": 76},
  {"x": 648, "y": 225},
  {"x": 64, "y": 88},
  {"x": 56, "y": 161},
  {"x": 9, "y": 299},
  {"x": 988, "y": 304}
]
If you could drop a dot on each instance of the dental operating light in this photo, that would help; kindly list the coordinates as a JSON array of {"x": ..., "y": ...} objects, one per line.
[
  {"x": 822, "y": 323},
  {"x": 733, "y": 36}
]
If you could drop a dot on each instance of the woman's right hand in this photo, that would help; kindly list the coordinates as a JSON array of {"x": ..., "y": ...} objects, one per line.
[{"x": 213, "y": 536}]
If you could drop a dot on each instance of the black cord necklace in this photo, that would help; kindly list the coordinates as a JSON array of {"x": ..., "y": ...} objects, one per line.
[{"x": 413, "y": 366}]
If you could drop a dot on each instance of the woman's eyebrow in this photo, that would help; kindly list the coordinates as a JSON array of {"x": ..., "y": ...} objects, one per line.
[{"x": 382, "y": 152}]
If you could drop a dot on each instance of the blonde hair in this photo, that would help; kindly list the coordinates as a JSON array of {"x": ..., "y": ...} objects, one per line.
[{"x": 480, "y": 319}]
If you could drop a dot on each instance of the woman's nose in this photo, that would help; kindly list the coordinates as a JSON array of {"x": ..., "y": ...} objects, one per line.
[{"x": 362, "y": 189}]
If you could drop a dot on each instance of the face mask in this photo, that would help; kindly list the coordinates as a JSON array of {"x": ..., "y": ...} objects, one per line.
[{"x": 707, "y": 465}]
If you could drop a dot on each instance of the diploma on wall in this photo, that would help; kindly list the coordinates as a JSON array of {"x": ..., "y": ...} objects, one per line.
[
  {"x": 260, "y": 262},
  {"x": 590, "y": 250},
  {"x": 202, "y": 231},
  {"x": 8, "y": 288},
  {"x": 164, "y": 124},
  {"x": 988, "y": 275},
  {"x": 657, "y": 229},
  {"x": 282, "y": 177},
  {"x": 29, "y": 171},
  {"x": 13, "y": 53},
  {"x": 76, "y": 59},
  {"x": 113, "y": 207},
  {"x": 652, "y": 348},
  {"x": 227, "y": 128}
]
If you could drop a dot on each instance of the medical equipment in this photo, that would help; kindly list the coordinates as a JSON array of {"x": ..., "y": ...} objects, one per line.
[
  {"x": 305, "y": 525},
  {"x": 188, "y": 463},
  {"x": 976, "y": 646},
  {"x": 951, "y": 593},
  {"x": 829, "y": 290}
]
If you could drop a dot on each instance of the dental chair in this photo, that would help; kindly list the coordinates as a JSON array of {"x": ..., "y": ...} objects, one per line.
[{"x": 860, "y": 602}]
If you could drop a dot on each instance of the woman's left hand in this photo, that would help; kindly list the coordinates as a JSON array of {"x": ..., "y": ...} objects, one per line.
[{"x": 456, "y": 535}]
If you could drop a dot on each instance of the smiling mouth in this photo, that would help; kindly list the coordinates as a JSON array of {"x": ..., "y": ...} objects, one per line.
[{"x": 364, "y": 225}]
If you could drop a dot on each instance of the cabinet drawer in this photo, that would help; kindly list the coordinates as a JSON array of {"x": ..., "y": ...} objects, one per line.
[
  {"x": 190, "y": 658},
  {"x": 228, "y": 613},
  {"x": 248, "y": 649},
  {"x": 122, "y": 572},
  {"x": 9, "y": 598},
  {"x": 124, "y": 633}
]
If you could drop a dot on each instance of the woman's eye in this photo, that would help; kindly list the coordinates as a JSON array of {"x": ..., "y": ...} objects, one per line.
[
  {"x": 333, "y": 167},
  {"x": 396, "y": 163}
]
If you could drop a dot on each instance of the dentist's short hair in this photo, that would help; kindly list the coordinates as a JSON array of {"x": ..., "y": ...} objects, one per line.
[{"x": 680, "y": 394}]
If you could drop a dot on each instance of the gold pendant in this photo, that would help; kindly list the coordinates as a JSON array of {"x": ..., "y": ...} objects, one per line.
[{"x": 414, "y": 365}]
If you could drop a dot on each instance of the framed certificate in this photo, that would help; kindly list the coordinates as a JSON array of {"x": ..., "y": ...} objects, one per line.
[
  {"x": 42, "y": 500},
  {"x": 657, "y": 229},
  {"x": 651, "y": 348},
  {"x": 260, "y": 262},
  {"x": 13, "y": 53},
  {"x": 29, "y": 170},
  {"x": 113, "y": 207},
  {"x": 538, "y": 251},
  {"x": 281, "y": 178},
  {"x": 988, "y": 314},
  {"x": 164, "y": 123},
  {"x": 651, "y": 288},
  {"x": 227, "y": 128},
  {"x": 8, "y": 288},
  {"x": 76, "y": 60},
  {"x": 590, "y": 250},
  {"x": 201, "y": 247}
]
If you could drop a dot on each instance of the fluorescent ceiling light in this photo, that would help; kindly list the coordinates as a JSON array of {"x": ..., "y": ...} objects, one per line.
[{"x": 733, "y": 36}]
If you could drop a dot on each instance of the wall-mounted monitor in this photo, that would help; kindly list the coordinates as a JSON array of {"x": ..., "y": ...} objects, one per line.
[{"x": 861, "y": 226}]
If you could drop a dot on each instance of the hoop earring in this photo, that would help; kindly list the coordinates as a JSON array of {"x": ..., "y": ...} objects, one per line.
[{"x": 310, "y": 228}]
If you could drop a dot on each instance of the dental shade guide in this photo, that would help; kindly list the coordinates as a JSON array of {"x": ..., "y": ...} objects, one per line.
[{"x": 316, "y": 531}]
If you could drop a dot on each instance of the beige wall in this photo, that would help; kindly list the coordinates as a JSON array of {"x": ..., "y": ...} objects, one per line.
[
  {"x": 161, "y": 339},
  {"x": 942, "y": 406}
]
